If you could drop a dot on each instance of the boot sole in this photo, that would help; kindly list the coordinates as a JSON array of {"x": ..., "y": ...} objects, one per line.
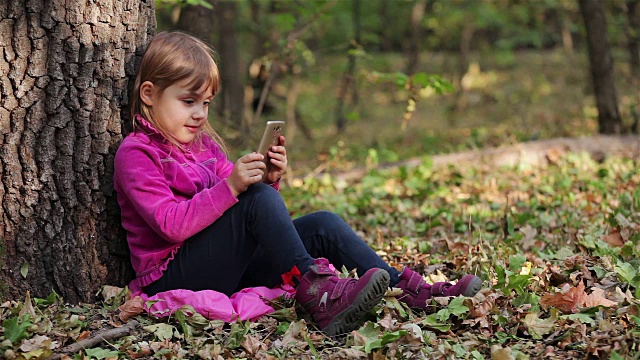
[
  {"x": 473, "y": 287},
  {"x": 351, "y": 317}
]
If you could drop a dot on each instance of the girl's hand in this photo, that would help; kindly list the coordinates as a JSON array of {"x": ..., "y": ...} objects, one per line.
[
  {"x": 278, "y": 162},
  {"x": 247, "y": 170}
]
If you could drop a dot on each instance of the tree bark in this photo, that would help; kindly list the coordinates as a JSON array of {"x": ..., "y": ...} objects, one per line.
[
  {"x": 232, "y": 93},
  {"x": 601, "y": 63},
  {"x": 63, "y": 104}
]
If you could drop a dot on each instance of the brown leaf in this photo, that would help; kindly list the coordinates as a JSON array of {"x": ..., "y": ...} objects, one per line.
[
  {"x": 597, "y": 298},
  {"x": 480, "y": 310},
  {"x": 83, "y": 335},
  {"x": 253, "y": 345},
  {"x": 500, "y": 353},
  {"x": 348, "y": 354},
  {"x": 38, "y": 342},
  {"x": 387, "y": 322},
  {"x": 614, "y": 238},
  {"x": 131, "y": 308},
  {"x": 567, "y": 302},
  {"x": 109, "y": 292}
]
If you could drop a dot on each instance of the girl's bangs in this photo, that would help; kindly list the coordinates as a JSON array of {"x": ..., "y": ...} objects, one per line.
[{"x": 200, "y": 73}]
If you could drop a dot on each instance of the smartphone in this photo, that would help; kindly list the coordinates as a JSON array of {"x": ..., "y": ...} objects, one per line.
[{"x": 270, "y": 137}]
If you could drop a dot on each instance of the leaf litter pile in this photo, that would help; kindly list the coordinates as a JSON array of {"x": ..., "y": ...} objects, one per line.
[{"x": 556, "y": 246}]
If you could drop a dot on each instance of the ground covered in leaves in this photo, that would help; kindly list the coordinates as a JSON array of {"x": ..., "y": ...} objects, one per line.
[{"x": 557, "y": 248}]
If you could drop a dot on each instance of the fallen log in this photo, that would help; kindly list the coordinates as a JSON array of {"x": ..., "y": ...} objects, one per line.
[{"x": 535, "y": 153}]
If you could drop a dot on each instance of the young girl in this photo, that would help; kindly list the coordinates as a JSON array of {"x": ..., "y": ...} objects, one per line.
[{"x": 197, "y": 221}]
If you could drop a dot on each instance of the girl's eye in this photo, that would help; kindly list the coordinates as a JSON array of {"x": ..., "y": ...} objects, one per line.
[
  {"x": 188, "y": 101},
  {"x": 206, "y": 103}
]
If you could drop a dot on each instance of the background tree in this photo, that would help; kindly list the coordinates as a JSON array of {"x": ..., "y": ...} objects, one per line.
[
  {"x": 231, "y": 96},
  {"x": 601, "y": 64},
  {"x": 64, "y": 100}
]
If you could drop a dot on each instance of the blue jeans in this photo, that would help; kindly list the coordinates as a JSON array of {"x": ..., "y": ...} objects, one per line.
[{"x": 255, "y": 241}]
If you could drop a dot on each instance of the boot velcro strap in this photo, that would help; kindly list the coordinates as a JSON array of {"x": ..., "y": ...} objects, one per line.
[
  {"x": 339, "y": 289},
  {"x": 439, "y": 288},
  {"x": 321, "y": 269},
  {"x": 415, "y": 283}
]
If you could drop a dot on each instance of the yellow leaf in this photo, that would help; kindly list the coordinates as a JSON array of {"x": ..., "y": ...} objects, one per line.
[{"x": 526, "y": 269}]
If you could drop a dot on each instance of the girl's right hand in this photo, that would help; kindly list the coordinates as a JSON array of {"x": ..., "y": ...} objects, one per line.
[{"x": 246, "y": 171}]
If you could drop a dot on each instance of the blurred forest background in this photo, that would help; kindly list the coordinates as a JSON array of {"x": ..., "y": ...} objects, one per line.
[{"x": 386, "y": 80}]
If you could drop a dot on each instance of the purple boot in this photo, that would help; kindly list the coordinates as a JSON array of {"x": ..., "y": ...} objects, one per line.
[
  {"x": 416, "y": 292},
  {"x": 339, "y": 305}
]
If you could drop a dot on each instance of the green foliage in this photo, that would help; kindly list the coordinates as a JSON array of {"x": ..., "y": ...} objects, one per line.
[
  {"x": 183, "y": 3},
  {"x": 15, "y": 328}
]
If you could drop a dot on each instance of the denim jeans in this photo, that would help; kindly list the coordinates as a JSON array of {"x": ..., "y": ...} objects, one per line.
[{"x": 255, "y": 241}]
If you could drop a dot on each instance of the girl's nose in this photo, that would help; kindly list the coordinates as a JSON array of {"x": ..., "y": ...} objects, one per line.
[{"x": 199, "y": 113}]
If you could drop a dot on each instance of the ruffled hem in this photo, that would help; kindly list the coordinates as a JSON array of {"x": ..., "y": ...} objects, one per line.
[{"x": 155, "y": 274}]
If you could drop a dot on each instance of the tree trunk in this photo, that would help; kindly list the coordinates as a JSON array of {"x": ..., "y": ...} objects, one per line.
[
  {"x": 417, "y": 14},
  {"x": 348, "y": 81},
  {"x": 259, "y": 30},
  {"x": 601, "y": 64},
  {"x": 386, "y": 45},
  {"x": 633, "y": 33},
  {"x": 231, "y": 93},
  {"x": 63, "y": 103},
  {"x": 198, "y": 21}
]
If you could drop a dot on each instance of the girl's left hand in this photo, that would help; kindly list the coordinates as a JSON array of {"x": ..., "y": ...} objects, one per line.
[{"x": 277, "y": 162}]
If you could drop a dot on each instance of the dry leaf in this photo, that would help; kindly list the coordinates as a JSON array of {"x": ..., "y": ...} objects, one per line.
[
  {"x": 597, "y": 298},
  {"x": 387, "y": 321},
  {"x": 567, "y": 302},
  {"x": 480, "y": 310},
  {"x": 614, "y": 238},
  {"x": 500, "y": 353},
  {"x": 538, "y": 327},
  {"x": 253, "y": 345},
  {"x": 108, "y": 292},
  {"x": 83, "y": 335},
  {"x": 38, "y": 342},
  {"x": 437, "y": 277},
  {"x": 297, "y": 331},
  {"x": 28, "y": 306},
  {"x": 349, "y": 354},
  {"x": 131, "y": 308}
]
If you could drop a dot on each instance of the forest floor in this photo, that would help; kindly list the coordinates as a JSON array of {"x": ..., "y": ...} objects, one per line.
[
  {"x": 557, "y": 244},
  {"x": 557, "y": 247}
]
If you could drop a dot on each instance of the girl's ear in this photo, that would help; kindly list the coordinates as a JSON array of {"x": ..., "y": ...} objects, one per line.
[{"x": 146, "y": 93}]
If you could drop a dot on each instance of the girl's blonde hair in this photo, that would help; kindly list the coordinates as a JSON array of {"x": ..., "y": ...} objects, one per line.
[{"x": 172, "y": 57}]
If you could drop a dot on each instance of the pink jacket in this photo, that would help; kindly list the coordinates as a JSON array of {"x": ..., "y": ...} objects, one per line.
[{"x": 166, "y": 196}]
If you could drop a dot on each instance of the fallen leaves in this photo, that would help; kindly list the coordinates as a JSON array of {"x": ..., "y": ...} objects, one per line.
[
  {"x": 562, "y": 281},
  {"x": 568, "y": 301},
  {"x": 571, "y": 300},
  {"x": 131, "y": 308}
]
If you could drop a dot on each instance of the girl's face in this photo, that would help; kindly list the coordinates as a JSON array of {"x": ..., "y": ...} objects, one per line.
[{"x": 177, "y": 109}]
